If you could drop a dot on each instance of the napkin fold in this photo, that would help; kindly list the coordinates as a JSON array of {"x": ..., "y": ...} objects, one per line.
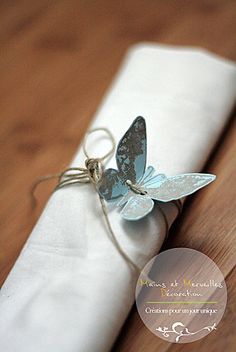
[{"x": 70, "y": 290}]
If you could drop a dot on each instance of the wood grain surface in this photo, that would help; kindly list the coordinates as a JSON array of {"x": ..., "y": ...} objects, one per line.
[{"x": 57, "y": 58}]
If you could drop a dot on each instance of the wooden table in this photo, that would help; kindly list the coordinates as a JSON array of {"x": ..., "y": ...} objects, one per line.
[{"x": 57, "y": 60}]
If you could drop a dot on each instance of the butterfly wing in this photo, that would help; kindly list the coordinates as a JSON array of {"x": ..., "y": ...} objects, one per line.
[
  {"x": 147, "y": 175},
  {"x": 175, "y": 187},
  {"x": 112, "y": 186},
  {"x": 137, "y": 207},
  {"x": 131, "y": 162},
  {"x": 150, "y": 179},
  {"x": 131, "y": 151}
]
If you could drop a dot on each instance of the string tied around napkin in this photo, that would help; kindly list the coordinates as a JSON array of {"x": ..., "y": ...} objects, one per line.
[{"x": 92, "y": 173}]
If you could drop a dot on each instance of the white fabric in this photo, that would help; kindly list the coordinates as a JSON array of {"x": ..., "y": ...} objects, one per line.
[{"x": 70, "y": 290}]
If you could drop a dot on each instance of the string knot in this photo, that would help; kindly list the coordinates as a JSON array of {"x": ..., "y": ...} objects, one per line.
[{"x": 95, "y": 169}]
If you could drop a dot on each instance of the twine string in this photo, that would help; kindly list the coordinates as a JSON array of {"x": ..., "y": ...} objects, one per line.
[{"x": 92, "y": 173}]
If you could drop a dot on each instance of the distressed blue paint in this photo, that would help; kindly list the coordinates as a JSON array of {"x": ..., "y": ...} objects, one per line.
[
  {"x": 131, "y": 162},
  {"x": 176, "y": 187},
  {"x": 114, "y": 187},
  {"x": 131, "y": 151},
  {"x": 137, "y": 207}
]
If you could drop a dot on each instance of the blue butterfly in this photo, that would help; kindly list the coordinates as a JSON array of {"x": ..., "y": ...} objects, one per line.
[{"x": 134, "y": 187}]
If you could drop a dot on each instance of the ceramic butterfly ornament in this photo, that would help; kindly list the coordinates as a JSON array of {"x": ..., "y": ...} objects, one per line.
[{"x": 135, "y": 187}]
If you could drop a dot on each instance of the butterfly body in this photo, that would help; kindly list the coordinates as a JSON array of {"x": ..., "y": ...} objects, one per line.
[{"x": 134, "y": 187}]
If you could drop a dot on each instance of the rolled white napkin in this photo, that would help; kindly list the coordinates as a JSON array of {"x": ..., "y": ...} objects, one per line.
[{"x": 70, "y": 290}]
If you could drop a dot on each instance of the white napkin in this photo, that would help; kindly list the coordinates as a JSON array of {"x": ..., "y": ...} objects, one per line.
[{"x": 70, "y": 290}]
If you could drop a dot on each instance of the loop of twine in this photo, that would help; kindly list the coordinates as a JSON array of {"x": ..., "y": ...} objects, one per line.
[{"x": 92, "y": 173}]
